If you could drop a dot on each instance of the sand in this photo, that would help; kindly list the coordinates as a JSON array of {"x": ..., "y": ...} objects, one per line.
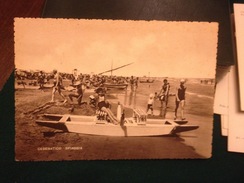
[{"x": 36, "y": 143}]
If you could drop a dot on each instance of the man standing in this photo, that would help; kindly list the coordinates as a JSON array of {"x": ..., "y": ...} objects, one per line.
[
  {"x": 57, "y": 86},
  {"x": 180, "y": 99},
  {"x": 132, "y": 82},
  {"x": 163, "y": 97},
  {"x": 74, "y": 76},
  {"x": 41, "y": 79}
]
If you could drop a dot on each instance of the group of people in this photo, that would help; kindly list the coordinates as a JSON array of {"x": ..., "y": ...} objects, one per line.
[
  {"x": 163, "y": 96},
  {"x": 101, "y": 103},
  {"x": 79, "y": 88}
]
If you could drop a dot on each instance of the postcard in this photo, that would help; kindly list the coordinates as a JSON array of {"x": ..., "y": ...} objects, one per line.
[
  {"x": 239, "y": 45},
  {"x": 236, "y": 116},
  {"x": 221, "y": 98},
  {"x": 113, "y": 89}
]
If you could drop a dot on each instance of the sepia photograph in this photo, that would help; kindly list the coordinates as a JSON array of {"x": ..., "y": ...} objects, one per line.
[{"x": 113, "y": 89}]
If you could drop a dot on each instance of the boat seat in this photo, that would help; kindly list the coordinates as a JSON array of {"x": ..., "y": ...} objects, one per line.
[
  {"x": 65, "y": 118},
  {"x": 142, "y": 123},
  {"x": 101, "y": 122},
  {"x": 101, "y": 115},
  {"x": 141, "y": 115}
]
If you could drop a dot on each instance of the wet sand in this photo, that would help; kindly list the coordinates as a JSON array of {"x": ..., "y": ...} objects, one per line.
[{"x": 36, "y": 143}]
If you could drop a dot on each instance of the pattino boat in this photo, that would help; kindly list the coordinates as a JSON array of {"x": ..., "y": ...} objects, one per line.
[
  {"x": 129, "y": 127},
  {"x": 116, "y": 85}
]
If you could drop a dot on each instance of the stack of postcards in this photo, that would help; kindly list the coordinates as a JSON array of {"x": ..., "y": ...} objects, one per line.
[{"x": 229, "y": 96}]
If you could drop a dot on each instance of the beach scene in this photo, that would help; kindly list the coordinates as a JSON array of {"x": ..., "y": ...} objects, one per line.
[{"x": 113, "y": 89}]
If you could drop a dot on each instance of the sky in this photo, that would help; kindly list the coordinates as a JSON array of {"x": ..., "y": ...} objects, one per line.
[{"x": 155, "y": 48}]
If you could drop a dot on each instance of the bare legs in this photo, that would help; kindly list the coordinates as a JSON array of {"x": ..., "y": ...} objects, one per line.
[
  {"x": 163, "y": 109},
  {"x": 60, "y": 93},
  {"x": 110, "y": 114},
  {"x": 79, "y": 98},
  {"x": 182, "y": 105}
]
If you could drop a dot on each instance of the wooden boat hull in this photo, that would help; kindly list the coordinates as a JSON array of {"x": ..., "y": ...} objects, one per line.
[
  {"x": 90, "y": 126},
  {"x": 117, "y": 86},
  {"x": 146, "y": 81}
]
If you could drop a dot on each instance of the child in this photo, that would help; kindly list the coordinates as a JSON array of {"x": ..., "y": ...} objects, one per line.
[{"x": 150, "y": 103}]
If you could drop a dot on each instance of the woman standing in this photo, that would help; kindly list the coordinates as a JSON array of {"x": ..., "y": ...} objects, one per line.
[{"x": 180, "y": 99}]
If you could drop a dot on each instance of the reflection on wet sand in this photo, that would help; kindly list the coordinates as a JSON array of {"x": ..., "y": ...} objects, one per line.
[
  {"x": 137, "y": 99},
  {"x": 124, "y": 128},
  {"x": 132, "y": 98}
]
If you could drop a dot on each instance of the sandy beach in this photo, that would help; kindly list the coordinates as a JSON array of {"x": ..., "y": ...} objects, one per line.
[{"x": 36, "y": 143}]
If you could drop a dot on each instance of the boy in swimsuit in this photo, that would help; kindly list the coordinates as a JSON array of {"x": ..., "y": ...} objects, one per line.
[{"x": 150, "y": 103}]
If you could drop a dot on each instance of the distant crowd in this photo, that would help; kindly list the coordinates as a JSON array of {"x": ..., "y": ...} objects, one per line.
[{"x": 41, "y": 78}]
